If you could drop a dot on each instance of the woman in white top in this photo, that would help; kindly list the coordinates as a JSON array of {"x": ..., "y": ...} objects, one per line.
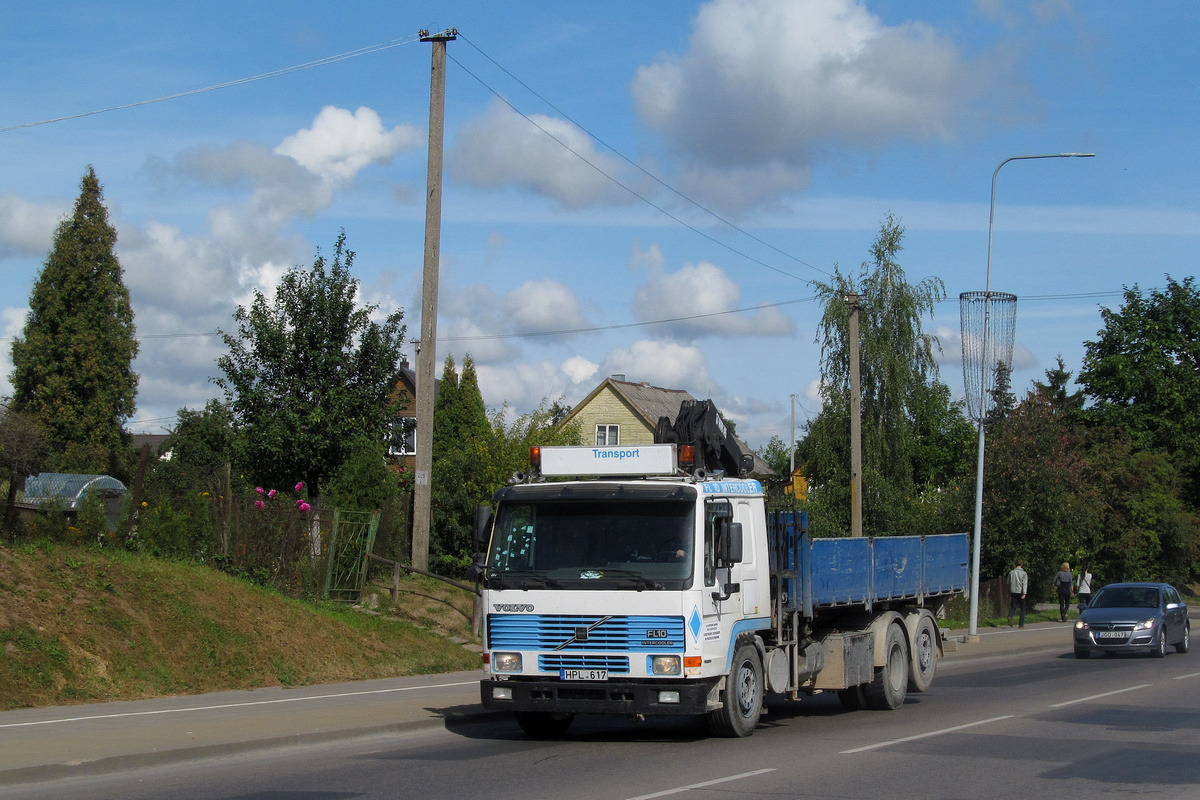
[{"x": 1084, "y": 586}]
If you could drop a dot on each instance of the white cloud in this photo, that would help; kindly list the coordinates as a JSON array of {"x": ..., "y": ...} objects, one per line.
[
  {"x": 704, "y": 288},
  {"x": 502, "y": 148},
  {"x": 579, "y": 369},
  {"x": 340, "y": 144},
  {"x": 544, "y": 305},
  {"x": 521, "y": 386},
  {"x": 27, "y": 228},
  {"x": 768, "y": 84},
  {"x": 663, "y": 363}
]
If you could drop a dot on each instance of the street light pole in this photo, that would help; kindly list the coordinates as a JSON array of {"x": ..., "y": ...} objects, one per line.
[{"x": 983, "y": 388}]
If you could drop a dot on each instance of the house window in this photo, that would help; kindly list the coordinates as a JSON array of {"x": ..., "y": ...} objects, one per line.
[
  {"x": 608, "y": 435},
  {"x": 403, "y": 439}
]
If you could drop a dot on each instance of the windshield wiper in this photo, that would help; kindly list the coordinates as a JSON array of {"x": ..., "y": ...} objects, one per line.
[
  {"x": 525, "y": 577},
  {"x": 639, "y": 580}
]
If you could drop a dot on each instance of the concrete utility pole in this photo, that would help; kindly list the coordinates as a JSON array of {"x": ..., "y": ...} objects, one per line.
[
  {"x": 427, "y": 348},
  {"x": 855, "y": 422}
]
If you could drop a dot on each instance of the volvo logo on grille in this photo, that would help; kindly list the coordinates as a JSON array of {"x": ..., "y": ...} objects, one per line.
[
  {"x": 513, "y": 607},
  {"x": 581, "y": 633}
]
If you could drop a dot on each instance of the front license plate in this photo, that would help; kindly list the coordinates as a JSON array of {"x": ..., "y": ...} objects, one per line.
[
  {"x": 1111, "y": 634},
  {"x": 583, "y": 674}
]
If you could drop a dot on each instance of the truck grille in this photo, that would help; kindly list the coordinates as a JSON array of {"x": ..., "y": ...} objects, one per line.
[
  {"x": 553, "y": 662},
  {"x": 564, "y": 633}
]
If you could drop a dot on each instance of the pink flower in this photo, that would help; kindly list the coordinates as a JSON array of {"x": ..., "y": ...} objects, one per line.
[
  {"x": 271, "y": 494},
  {"x": 300, "y": 486},
  {"x": 258, "y": 490},
  {"x": 259, "y": 504},
  {"x": 305, "y": 508}
]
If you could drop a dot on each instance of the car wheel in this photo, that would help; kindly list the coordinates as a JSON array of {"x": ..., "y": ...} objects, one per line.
[
  {"x": 1082, "y": 652},
  {"x": 1182, "y": 645},
  {"x": 1160, "y": 650}
]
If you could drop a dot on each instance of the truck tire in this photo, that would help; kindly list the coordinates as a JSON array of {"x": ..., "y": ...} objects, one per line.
[
  {"x": 889, "y": 687},
  {"x": 544, "y": 724},
  {"x": 924, "y": 655},
  {"x": 743, "y": 700}
]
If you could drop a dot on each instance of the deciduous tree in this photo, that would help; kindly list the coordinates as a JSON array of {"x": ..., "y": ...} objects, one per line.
[
  {"x": 1143, "y": 372},
  {"x": 308, "y": 373},
  {"x": 898, "y": 385}
]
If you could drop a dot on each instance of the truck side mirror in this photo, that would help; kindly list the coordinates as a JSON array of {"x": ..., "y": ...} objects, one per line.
[
  {"x": 729, "y": 541},
  {"x": 483, "y": 515}
]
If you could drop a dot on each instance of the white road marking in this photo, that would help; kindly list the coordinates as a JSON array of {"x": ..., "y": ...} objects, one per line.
[
  {"x": 926, "y": 735},
  {"x": 1191, "y": 675},
  {"x": 1098, "y": 696},
  {"x": 713, "y": 782},
  {"x": 235, "y": 705}
]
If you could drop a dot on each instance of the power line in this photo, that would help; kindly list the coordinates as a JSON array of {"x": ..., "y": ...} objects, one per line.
[
  {"x": 320, "y": 62},
  {"x": 633, "y": 163},
  {"x": 624, "y": 186}
]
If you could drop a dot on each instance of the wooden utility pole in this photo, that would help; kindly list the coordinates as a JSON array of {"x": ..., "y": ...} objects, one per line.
[
  {"x": 855, "y": 422},
  {"x": 427, "y": 347}
]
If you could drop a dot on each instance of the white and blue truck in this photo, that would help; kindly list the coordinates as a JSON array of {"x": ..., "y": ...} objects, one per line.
[{"x": 654, "y": 587}]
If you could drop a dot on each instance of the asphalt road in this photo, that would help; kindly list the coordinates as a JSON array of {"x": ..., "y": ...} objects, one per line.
[{"x": 1014, "y": 716}]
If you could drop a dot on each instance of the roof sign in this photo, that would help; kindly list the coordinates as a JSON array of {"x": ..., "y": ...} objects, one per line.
[{"x": 642, "y": 459}]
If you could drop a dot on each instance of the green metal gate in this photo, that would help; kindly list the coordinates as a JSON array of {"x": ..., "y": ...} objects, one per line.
[{"x": 349, "y": 546}]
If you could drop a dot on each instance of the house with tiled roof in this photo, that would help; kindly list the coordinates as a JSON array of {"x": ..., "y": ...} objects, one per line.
[{"x": 621, "y": 412}]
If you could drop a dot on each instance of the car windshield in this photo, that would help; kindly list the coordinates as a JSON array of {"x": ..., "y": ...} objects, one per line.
[
  {"x": 1126, "y": 597},
  {"x": 631, "y": 545}
]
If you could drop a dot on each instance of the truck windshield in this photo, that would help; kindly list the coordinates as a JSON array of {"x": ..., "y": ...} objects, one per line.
[{"x": 632, "y": 545}]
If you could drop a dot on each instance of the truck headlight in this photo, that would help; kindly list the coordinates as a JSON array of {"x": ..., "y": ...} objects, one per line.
[
  {"x": 506, "y": 662},
  {"x": 664, "y": 665}
]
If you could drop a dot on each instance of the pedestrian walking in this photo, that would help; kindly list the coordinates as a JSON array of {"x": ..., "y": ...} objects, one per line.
[
  {"x": 1018, "y": 587},
  {"x": 1063, "y": 582},
  {"x": 1083, "y": 587}
]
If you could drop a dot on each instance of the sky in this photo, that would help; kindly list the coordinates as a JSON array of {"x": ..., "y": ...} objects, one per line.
[{"x": 644, "y": 189}]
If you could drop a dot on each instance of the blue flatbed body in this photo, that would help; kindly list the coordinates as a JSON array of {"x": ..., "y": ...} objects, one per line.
[{"x": 816, "y": 574}]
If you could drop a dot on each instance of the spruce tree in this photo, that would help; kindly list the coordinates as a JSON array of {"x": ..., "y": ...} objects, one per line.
[{"x": 73, "y": 365}]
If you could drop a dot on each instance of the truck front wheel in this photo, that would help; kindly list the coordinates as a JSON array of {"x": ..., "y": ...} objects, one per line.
[
  {"x": 889, "y": 687},
  {"x": 544, "y": 724},
  {"x": 742, "y": 705}
]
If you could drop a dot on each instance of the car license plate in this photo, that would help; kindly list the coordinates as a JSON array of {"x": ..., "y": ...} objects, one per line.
[
  {"x": 583, "y": 674},
  {"x": 1111, "y": 634}
]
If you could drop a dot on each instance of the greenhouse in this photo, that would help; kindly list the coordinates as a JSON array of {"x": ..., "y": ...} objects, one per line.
[{"x": 68, "y": 492}]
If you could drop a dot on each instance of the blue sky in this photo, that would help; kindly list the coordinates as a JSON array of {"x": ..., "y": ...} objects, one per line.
[{"x": 609, "y": 166}]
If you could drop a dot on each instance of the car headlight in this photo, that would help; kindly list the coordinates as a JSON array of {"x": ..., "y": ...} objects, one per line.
[
  {"x": 664, "y": 665},
  {"x": 1081, "y": 625},
  {"x": 506, "y": 662},
  {"x": 1145, "y": 625}
]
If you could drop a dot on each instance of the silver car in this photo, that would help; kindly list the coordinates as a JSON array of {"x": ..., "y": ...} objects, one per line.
[{"x": 1126, "y": 617}]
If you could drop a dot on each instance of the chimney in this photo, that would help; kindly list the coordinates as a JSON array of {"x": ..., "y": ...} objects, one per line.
[{"x": 620, "y": 376}]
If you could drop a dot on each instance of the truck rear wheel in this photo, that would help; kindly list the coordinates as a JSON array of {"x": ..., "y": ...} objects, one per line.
[
  {"x": 889, "y": 687},
  {"x": 544, "y": 724},
  {"x": 924, "y": 655},
  {"x": 743, "y": 700}
]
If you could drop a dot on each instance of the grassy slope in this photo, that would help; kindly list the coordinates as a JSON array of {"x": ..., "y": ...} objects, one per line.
[{"x": 82, "y": 625}]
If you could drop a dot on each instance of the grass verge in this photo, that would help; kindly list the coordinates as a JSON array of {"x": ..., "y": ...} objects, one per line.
[{"x": 82, "y": 625}]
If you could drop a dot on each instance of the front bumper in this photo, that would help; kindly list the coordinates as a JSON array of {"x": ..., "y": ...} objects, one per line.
[
  {"x": 1137, "y": 640},
  {"x": 600, "y": 697}
]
